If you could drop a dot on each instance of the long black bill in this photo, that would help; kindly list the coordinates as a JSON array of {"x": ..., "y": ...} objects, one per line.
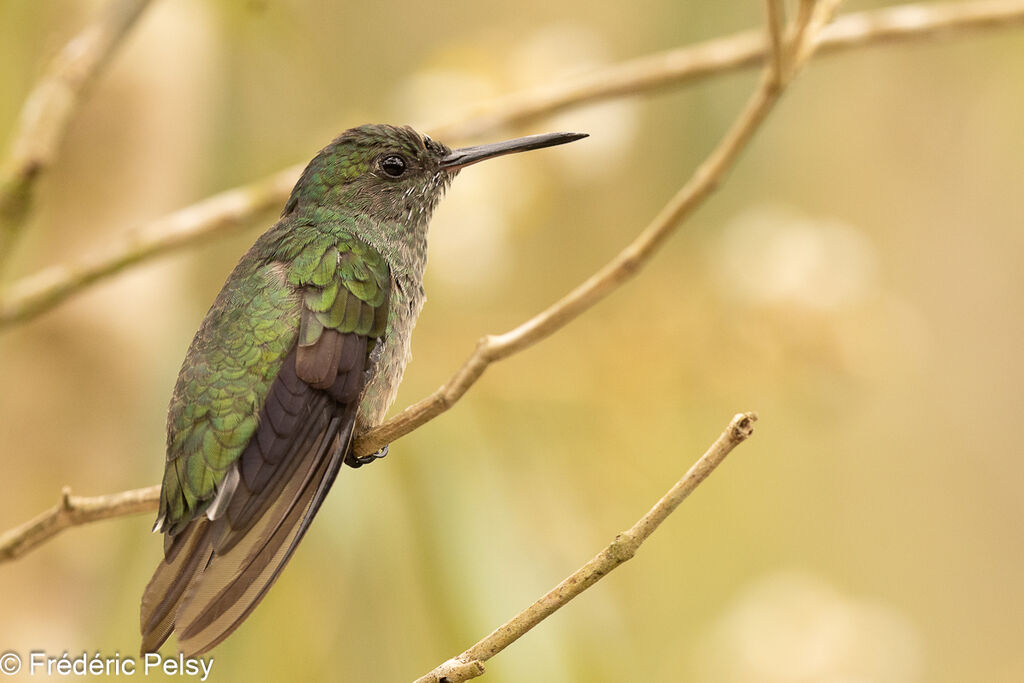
[{"x": 470, "y": 155}]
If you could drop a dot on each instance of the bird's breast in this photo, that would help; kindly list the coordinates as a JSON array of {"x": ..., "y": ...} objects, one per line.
[{"x": 404, "y": 307}]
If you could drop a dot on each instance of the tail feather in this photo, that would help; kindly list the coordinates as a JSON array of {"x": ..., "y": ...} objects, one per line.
[
  {"x": 236, "y": 582},
  {"x": 184, "y": 560}
]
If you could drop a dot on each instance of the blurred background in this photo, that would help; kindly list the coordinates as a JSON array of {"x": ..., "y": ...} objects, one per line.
[{"x": 857, "y": 281}]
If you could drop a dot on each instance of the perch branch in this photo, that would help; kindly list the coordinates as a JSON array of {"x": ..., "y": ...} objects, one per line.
[
  {"x": 50, "y": 107},
  {"x": 37, "y": 293},
  {"x": 469, "y": 664}
]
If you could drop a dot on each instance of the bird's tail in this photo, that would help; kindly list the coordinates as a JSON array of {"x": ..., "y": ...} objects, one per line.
[{"x": 205, "y": 587}]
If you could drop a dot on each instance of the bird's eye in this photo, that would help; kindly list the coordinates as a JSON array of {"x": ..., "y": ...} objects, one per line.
[{"x": 393, "y": 165}]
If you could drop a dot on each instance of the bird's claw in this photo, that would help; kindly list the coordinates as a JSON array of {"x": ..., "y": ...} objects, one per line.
[{"x": 360, "y": 460}]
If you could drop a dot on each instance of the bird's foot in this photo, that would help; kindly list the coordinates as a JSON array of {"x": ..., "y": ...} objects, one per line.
[{"x": 358, "y": 461}]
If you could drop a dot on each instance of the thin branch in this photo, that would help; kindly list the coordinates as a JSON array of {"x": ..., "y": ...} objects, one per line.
[
  {"x": 215, "y": 215},
  {"x": 469, "y": 664},
  {"x": 821, "y": 14},
  {"x": 37, "y": 293},
  {"x": 775, "y": 18},
  {"x": 907, "y": 22},
  {"x": 50, "y": 107},
  {"x": 804, "y": 15},
  {"x": 74, "y": 511}
]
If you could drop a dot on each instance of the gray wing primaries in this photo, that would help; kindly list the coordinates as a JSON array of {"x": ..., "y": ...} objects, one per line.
[{"x": 216, "y": 571}]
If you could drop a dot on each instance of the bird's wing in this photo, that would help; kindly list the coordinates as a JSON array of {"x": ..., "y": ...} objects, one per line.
[{"x": 225, "y": 551}]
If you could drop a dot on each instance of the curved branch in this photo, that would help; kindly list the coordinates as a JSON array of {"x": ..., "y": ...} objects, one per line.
[
  {"x": 38, "y": 293},
  {"x": 469, "y": 664},
  {"x": 50, "y": 107}
]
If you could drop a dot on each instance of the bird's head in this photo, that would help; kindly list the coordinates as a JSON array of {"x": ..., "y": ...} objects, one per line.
[{"x": 393, "y": 174}]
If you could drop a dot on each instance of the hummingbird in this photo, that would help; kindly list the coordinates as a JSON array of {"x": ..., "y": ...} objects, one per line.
[{"x": 302, "y": 350}]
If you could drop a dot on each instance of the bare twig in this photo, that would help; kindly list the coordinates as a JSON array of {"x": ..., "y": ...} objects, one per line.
[
  {"x": 804, "y": 15},
  {"x": 37, "y": 293},
  {"x": 816, "y": 18},
  {"x": 50, "y": 107},
  {"x": 775, "y": 18},
  {"x": 74, "y": 511},
  {"x": 469, "y": 664}
]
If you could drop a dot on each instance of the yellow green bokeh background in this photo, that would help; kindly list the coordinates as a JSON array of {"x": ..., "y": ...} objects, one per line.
[{"x": 857, "y": 280}]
